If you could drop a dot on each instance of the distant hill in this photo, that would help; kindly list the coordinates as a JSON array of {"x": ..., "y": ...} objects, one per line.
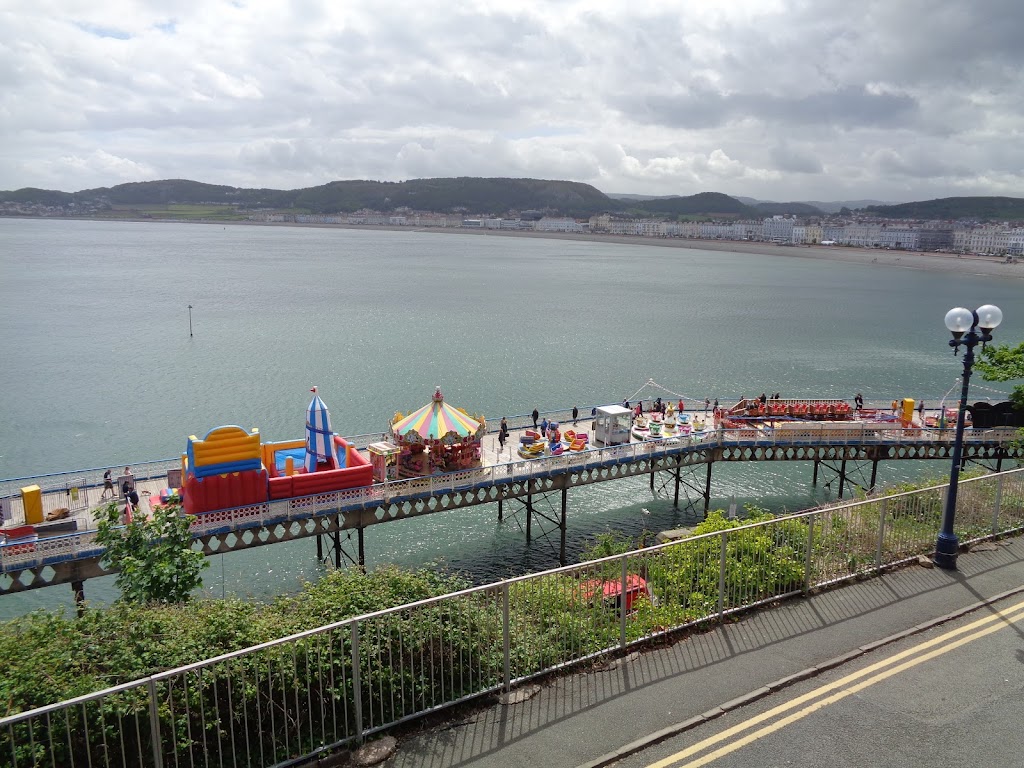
[
  {"x": 475, "y": 195},
  {"x": 703, "y": 204},
  {"x": 834, "y": 206},
  {"x": 952, "y": 208},
  {"x": 794, "y": 209}
]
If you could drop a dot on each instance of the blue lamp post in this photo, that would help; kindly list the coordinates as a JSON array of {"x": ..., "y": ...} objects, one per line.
[{"x": 969, "y": 329}]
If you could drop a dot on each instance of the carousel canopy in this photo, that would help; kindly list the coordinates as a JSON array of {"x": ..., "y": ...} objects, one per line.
[
  {"x": 436, "y": 421},
  {"x": 319, "y": 437}
]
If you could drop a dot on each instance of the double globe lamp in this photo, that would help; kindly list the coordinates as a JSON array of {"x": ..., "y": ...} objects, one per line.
[{"x": 969, "y": 329}]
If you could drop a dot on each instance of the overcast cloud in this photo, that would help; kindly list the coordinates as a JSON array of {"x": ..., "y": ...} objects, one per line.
[{"x": 782, "y": 100}]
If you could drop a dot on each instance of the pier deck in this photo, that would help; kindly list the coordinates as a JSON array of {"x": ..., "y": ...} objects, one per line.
[{"x": 73, "y": 557}]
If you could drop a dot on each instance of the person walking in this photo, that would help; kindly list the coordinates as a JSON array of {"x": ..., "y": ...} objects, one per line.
[
  {"x": 544, "y": 427},
  {"x": 575, "y": 413},
  {"x": 920, "y": 411},
  {"x": 707, "y": 405},
  {"x": 536, "y": 415},
  {"x": 108, "y": 486},
  {"x": 858, "y": 401},
  {"x": 502, "y": 437}
]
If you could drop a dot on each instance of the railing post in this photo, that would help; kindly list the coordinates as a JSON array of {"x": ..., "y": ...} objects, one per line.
[
  {"x": 154, "y": 725},
  {"x": 507, "y": 635},
  {"x": 357, "y": 686},
  {"x": 622, "y": 605},
  {"x": 721, "y": 576},
  {"x": 997, "y": 505},
  {"x": 881, "y": 531},
  {"x": 810, "y": 553}
]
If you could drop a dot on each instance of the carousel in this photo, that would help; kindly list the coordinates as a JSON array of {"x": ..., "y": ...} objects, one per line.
[{"x": 437, "y": 438}]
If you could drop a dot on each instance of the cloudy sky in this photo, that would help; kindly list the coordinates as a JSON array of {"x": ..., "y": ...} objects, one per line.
[{"x": 775, "y": 99}]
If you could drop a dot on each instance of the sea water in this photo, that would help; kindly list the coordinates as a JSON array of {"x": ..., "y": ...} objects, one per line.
[{"x": 103, "y": 363}]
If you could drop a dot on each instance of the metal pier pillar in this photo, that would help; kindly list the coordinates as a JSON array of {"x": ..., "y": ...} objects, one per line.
[
  {"x": 336, "y": 535},
  {"x": 319, "y": 548},
  {"x": 529, "y": 512},
  {"x": 675, "y": 497},
  {"x": 707, "y": 489},
  {"x": 78, "y": 587},
  {"x": 814, "y": 480},
  {"x": 501, "y": 510},
  {"x": 874, "y": 473},
  {"x": 842, "y": 477},
  {"x": 362, "y": 548},
  {"x": 562, "y": 526}
]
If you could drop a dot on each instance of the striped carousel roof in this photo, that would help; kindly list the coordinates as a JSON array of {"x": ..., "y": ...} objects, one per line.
[{"x": 435, "y": 421}]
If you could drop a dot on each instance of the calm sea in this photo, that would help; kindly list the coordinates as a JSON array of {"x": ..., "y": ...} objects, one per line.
[{"x": 97, "y": 365}]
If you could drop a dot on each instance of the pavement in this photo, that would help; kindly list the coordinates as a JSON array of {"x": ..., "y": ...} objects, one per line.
[{"x": 619, "y": 712}]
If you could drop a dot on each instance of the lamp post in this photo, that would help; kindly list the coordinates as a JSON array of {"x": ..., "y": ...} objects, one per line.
[{"x": 969, "y": 329}]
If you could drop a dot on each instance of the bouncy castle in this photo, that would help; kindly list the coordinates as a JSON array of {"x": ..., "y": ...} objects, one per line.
[{"x": 231, "y": 468}]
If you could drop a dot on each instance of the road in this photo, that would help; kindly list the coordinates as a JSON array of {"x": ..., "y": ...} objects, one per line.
[{"x": 948, "y": 696}]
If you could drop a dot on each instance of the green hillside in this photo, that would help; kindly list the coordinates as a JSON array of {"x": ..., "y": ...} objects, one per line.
[
  {"x": 951, "y": 208},
  {"x": 703, "y": 204}
]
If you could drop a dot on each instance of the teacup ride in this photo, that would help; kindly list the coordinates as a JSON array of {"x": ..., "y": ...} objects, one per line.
[
  {"x": 531, "y": 445},
  {"x": 641, "y": 428}
]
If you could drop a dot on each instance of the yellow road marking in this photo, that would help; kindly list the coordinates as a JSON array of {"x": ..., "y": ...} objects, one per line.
[{"x": 1006, "y": 615}]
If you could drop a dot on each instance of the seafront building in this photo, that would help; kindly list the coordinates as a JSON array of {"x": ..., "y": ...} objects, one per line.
[{"x": 861, "y": 232}]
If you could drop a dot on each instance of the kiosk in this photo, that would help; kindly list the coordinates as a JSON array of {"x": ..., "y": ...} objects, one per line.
[
  {"x": 384, "y": 458},
  {"x": 611, "y": 425}
]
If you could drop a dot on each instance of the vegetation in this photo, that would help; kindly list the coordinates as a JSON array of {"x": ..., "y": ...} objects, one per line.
[
  {"x": 290, "y": 698},
  {"x": 1004, "y": 363},
  {"x": 951, "y": 208},
  {"x": 706, "y": 203},
  {"x": 153, "y": 555}
]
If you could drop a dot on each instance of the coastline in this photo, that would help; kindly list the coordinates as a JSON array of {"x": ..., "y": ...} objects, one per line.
[{"x": 982, "y": 266}]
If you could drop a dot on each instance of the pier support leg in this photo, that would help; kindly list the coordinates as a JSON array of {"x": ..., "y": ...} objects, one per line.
[
  {"x": 529, "y": 516},
  {"x": 336, "y": 536},
  {"x": 319, "y": 548},
  {"x": 707, "y": 489},
  {"x": 675, "y": 496},
  {"x": 78, "y": 587},
  {"x": 814, "y": 480},
  {"x": 874, "y": 474},
  {"x": 999, "y": 464},
  {"x": 842, "y": 477},
  {"x": 561, "y": 548},
  {"x": 652, "y": 475},
  {"x": 501, "y": 510},
  {"x": 362, "y": 548}
]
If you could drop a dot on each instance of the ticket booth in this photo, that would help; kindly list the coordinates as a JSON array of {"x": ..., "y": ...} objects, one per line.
[
  {"x": 611, "y": 425},
  {"x": 384, "y": 460}
]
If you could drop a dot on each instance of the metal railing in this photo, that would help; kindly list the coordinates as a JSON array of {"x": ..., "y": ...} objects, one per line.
[
  {"x": 318, "y": 689},
  {"x": 81, "y": 544}
]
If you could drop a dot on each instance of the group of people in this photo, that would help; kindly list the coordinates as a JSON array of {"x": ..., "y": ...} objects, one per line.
[{"x": 127, "y": 488}]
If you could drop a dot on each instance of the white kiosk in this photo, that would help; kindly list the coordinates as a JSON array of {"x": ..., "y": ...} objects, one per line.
[{"x": 611, "y": 425}]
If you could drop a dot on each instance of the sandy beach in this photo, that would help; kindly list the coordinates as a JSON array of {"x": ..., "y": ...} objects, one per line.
[{"x": 985, "y": 266}]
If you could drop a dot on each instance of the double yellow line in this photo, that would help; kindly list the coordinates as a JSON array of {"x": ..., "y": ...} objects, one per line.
[{"x": 819, "y": 698}]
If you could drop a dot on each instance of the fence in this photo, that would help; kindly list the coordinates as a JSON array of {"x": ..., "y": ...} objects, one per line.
[
  {"x": 81, "y": 544},
  {"x": 339, "y": 683}
]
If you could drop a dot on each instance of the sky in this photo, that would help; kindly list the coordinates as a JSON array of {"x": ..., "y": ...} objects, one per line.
[{"x": 892, "y": 100}]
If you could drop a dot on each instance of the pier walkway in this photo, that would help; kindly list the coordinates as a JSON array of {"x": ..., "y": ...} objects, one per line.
[{"x": 680, "y": 464}]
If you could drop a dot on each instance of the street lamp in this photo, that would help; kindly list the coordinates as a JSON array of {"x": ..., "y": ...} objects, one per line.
[{"x": 969, "y": 329}]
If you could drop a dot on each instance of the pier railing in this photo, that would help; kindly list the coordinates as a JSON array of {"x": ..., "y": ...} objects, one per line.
[
  {"x": 326, "y": 687},
  {"x": 81, "y": 544}
]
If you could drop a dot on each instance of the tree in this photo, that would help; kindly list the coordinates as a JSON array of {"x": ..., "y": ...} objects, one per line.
[
  {"x": 1004, "y": 363},
  {"x": 153, "y": 556}
]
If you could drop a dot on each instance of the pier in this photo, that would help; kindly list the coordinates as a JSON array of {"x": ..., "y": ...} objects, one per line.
[{"x": 534, "y": 492}]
